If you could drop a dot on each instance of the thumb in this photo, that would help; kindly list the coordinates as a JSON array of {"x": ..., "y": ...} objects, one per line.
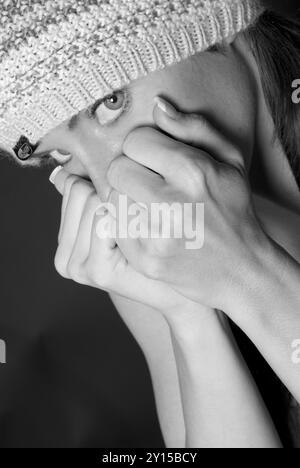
[
  {"x": 195, "y": 130},
  {"x": 99, "y": 263},
  {"x": 63, "y": 180}
]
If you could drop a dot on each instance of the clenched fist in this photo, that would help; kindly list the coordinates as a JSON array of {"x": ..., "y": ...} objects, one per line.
[
  {"x": 90, "y": 256},
  {"x": 190, "y": 162}
]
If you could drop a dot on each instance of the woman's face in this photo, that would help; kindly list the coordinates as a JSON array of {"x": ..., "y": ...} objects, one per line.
[{"x": 218, "y": 85}]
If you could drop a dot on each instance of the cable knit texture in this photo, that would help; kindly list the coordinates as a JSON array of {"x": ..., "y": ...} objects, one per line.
[{"x": 58, "y": 57}]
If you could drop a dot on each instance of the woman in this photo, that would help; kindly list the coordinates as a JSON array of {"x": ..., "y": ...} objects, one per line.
[{"x": 131, "y": 142}]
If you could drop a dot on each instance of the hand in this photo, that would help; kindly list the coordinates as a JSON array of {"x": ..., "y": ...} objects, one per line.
[
  {"x": 96, "y": 261},
  {"x": 195, "y": 163}
]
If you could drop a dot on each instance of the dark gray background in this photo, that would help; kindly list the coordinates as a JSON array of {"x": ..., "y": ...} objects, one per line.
[{"x": 75, "y": 377}]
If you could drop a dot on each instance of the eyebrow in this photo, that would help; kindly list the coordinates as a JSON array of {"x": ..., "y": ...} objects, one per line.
[{"x": 73, "y": 122}]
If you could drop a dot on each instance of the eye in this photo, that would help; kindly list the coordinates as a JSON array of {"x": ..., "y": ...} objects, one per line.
[{"x": 110, "y": 108}]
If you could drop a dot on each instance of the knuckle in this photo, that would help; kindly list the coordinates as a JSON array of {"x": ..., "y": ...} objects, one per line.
[
  {"x": 183, "y": 161},
  {"x": 238, "y": 159},
  {"x": 91, "y": 272},
  {"x": 134, "y": 138},
  {"x": 192, "y": 172},
  {"x": 129, "y": 141},
  {"x": 196, "y": 124},
  {"x": 114, "y": 198},
  {"x": 74, "y": 270},
  {"x": 81, "y": 188},
  {"x": 197, "y": 120},
  {"x": 114, "y": 173},
  {"x": 162, "y": 247},
  {"x": 70, "y": 181},
  {"x": 93, "y": 202},
  {"x": 96, "y": 274},
  {"x": 153, "y": 268},
  {"x": 198, "y": 178},
  {"x": 204, "y": 171},
  {"x": 60, "y": 265}
]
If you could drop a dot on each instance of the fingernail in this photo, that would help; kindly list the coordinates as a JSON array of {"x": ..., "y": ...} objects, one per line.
[
  {"x": 167, "y": 108},
  {"x": 102, "y": 210},
  {"x": 54, "y": 174},
  {"x": 60, "y": 158}
]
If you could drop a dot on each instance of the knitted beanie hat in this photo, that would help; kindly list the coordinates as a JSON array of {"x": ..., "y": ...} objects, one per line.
[{"x": 57, "y": 57}]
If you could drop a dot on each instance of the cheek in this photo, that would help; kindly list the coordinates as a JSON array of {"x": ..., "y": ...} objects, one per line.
[
  {"x": 96, "y": 147},
  {"x": 234, "y": 107},
  {"x": 224, "y": 92},
  {"x": 237, "y": 119}
]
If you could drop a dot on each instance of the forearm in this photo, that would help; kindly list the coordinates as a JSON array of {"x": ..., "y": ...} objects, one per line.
[
  {"x": 221, "y": 403},
  {"x": 151, "y": 331},
  {"x": 267, "y": 308}
]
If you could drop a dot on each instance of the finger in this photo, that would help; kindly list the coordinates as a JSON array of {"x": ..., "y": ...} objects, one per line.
[
  {"x": 131, "y": 249},
  {"x": 62, "y": 181},
  {"x": 68, "y": 185},
  {"x": 131, "y": 225},
  {"x": 82, "y": 244},
  {"x": 131, "y": 217},
  {"x": 97, "y": 268},
  {"x": 106, "y": 265},
  {"x": 130, "y": 178},
  {"x": 160, "y": 153},
  {"x": 58, "y": 178},
  {"x": 196, "y": 130},
  {"x": 77, "y": 198},
  {"x": 103, "y": 238}
]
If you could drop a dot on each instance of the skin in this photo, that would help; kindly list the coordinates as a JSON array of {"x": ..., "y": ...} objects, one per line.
[{"x": 240, "y": 119}]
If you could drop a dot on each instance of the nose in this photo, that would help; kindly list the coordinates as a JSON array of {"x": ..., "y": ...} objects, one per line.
[
  {"x": 91, "y": 153},
  {"x": 91, "y": 161},
  {"x": 87, "y": 162}
]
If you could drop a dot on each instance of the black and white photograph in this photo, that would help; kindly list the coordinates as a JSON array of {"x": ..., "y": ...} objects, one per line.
[{"x": 150, "y": 227}]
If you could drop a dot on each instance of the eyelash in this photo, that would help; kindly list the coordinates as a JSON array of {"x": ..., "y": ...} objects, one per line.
[{"x": 91, "y": 112}]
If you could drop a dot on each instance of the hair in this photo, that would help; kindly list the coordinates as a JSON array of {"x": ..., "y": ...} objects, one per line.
[{"x": 275, "y": 43}]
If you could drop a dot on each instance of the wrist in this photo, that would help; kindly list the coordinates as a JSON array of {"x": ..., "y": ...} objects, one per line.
[
  {"x": 194, "y": 323},
  {"x": 270, "y": 273}
]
